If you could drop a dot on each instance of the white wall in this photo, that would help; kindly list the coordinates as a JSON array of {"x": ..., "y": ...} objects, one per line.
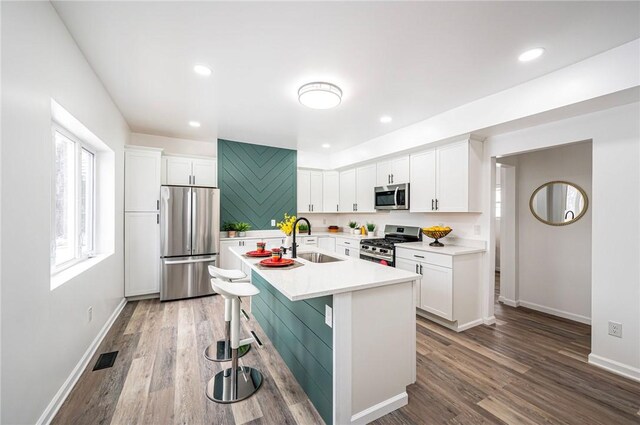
[
  {"x": 176, "y": 146},
  {"x": 45, "y": 332},
  {"x": 615, "y": 204},
  {"x": 554, "y": 270}
]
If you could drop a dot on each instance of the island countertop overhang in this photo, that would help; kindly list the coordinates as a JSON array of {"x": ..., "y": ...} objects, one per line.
[{"x": 319, "y": 279}]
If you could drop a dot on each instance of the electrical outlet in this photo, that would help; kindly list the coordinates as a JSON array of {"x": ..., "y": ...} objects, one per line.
[
  {"x": 273, "y": 223},
  {"x": 328, "y": 316},
  {"x": 615, "y": 329},
  {"x": 324, "y": 221},
  {"x": 476, "y": 230},
  {"x": 90, "y": 313}
]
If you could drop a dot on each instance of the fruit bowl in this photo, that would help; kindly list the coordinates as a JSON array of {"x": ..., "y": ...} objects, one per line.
[{"x": 436, "y": 232}]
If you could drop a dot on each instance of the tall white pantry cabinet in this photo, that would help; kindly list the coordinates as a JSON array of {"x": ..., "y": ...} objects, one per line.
[{"x": 142, "y": 168}]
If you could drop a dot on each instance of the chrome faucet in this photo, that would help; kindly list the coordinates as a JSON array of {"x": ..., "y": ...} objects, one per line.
[{"x": 294, "y": 247}]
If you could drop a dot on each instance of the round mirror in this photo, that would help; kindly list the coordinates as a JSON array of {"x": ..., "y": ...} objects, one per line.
[{"x": 558, "y": 203}]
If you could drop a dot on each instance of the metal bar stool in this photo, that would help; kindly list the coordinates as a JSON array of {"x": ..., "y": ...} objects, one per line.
[
  {"x": 235, "y": 383},
  {"x": 220, "y": 351}
]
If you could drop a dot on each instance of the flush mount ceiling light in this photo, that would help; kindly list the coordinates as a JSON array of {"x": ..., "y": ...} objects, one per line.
[
  {"x": 320, "y": 95},
  {"x": 531, "y": 54},
  {"x": 194, "y": 124},
  {"x": 385, "y": 119},
  {"x": 326, "y": 145},
  {"x": 202, "y": 70}
]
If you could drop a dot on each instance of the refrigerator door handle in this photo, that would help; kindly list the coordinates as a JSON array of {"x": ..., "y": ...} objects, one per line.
[
  {"x": 198, "y": 260},
  {"x": 189, "y": 212}
]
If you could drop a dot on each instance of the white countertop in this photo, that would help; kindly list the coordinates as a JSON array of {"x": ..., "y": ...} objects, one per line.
[
  {"x": 319, "y": 279},
  {"x": 304, "y": 234},
  {"x": 446, "y": 249}
]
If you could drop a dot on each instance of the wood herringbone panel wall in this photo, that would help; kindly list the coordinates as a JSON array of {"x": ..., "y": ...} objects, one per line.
[{"x": 257, "y": 183}]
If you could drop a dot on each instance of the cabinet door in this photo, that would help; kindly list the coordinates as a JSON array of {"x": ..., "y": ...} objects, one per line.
[
  {"x": 383, "y": 173},
  {"x": 423, "y": 181},
  {"x": 228, "y": 260},
  {"x": 142, "y": 254},
  {"x": 413, "y": 267},
  {"x": 400, "y": 170},
  {"x": 204, "y": 172},
  {"x": 327, "y": 242},
  {"x": 348, "y": 190},
  {"x": 178, "y": 171},
  {"x": 304, "y": 191},
  {"x": 436, "y": 290},
  {"x": 142, "y": 180},
  {"x": 330, "y": 191},
  {"x": 354, "y": 252},
  {"x": 315, "y": 196},
  {"x": 365, "y": 184},
  {"x": 452, "y": 190}
]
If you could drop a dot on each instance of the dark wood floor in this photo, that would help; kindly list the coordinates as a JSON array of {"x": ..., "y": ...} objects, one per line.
[{"x": 529, "y": 368}]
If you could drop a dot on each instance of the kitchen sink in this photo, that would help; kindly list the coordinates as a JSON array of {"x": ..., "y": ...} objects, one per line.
[{"x": 316, "y": 257}]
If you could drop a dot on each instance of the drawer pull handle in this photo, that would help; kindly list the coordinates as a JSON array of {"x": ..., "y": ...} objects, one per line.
[{"x": 418, "y": 256}]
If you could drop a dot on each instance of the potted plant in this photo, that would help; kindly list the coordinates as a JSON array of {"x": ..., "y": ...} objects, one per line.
[
  {"x": 226, "y": 227},
  {"x": 371, "y": 229},
  {"x": 354, "y": 227},
  {"x": 286, "y": 227},
  {"x": 241, "y": 228},
  {"x": 302, "y": 227},
  {"x": 231, "y": 229}
]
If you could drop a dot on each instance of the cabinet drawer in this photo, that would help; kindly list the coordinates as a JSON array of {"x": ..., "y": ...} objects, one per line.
[
  {"x": 425, "y": 257},
  {"x": 348, "y": 242}
]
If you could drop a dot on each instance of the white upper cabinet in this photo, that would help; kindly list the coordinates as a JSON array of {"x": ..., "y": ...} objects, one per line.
[
  {"x": 447, "y": 178},
  {"x": 348, "y": 190},
  {"x": 309, "y": 191},
  {"x": 142, "y": 180},
  {"x": 330, "y": 191},
  {"x": 187, "y": 171},
  {"x": 393, "y": 171},
  {"x": 365, "y": 187},
  {"x": 423, "y": 181}
]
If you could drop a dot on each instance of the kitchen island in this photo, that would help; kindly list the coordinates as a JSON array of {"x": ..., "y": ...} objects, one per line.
[{"x": 345, "y": 328}]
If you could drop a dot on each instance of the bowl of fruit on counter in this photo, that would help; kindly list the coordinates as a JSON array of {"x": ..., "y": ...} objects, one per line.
[{"x": 436, "y": 232}]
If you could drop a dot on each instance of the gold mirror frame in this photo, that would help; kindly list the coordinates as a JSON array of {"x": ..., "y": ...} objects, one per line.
[{"x": 550, "y": 223}]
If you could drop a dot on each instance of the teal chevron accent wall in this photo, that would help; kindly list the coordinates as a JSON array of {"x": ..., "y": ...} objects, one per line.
[
  {"x": 257, "y": 183},
  {"x": 297, "y": 330}
]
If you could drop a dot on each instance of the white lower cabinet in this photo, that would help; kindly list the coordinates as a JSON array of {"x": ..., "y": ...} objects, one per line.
[
  {"x": 142, "y": 254},
  {"x": 449, "y": 287},
  {"x": 346, "y": 246},
  {"x": 228, "y": 260},
  {"x": 327, "y": 242}
]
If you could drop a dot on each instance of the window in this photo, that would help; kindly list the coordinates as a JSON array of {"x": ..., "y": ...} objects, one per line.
[{"x": 73, "y": 201}]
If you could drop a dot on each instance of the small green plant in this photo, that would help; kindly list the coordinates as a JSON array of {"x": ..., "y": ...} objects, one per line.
[
  {"x": 242, "y": 227},
  {"x": 353, "y": 224},
  {"x": 371, "y": 227},
  {"x": 303, "y": 227},
  {"x": 226, "y": 226}
]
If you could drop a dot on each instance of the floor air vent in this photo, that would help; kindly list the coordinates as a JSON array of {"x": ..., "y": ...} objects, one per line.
[{"x": 106, "y": 360}]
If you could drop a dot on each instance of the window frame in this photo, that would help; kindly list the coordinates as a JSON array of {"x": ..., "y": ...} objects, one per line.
[{"x": 79, "y": 146}]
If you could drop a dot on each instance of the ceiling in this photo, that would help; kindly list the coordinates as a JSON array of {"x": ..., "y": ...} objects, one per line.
[{"x": 408, "y": 60}]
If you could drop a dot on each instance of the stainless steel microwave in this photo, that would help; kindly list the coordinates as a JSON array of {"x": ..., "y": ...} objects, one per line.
[{"x": 392, "y": 197}]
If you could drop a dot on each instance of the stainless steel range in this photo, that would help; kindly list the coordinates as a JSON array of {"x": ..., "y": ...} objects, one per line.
[{"x": 383, "y": 250}]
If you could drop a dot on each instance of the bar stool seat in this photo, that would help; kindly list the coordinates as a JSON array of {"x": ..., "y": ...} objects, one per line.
[
  {"x": 235, "y": 383},
  {"x": 220, "y": 351}
]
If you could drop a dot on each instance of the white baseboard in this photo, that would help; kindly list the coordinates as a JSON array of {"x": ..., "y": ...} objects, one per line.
[
  {"x": 62, "y": 394},
  {"x": 380, "y": 409},
  {"x": 555, "y": 312},
  {"x": 454, "y": 326},
  {"x": 507, "y": 301},
  {"x": 469, "y": 325},
  {"x": 489, "y": 320},
  {"x": 615, "y": 367}
]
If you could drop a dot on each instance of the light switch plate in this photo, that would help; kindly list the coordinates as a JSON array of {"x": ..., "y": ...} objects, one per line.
[
  {"x": 273, "y": 223},
  {"x": 328, "y": 316}
]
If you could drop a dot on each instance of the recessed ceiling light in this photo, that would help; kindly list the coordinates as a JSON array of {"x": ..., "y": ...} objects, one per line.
[
  {"x": 326, "y": 145},
  {"x": 202, "y": 70},
  {"x": 320, "y": 95},
  {"x": 385, "y": 119},
  {"x": 194, "y": 123},
  {"x": 531, "y": 54}
]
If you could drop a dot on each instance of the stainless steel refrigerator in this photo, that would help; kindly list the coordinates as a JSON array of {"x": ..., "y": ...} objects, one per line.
[{"x": 190, "y": 240}]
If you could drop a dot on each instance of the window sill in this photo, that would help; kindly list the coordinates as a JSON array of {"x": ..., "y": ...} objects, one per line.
[{"x": 67, "y": 274}]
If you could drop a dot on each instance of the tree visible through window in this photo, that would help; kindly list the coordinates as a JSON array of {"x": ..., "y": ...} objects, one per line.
[{"x": 73, "y": 201}]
